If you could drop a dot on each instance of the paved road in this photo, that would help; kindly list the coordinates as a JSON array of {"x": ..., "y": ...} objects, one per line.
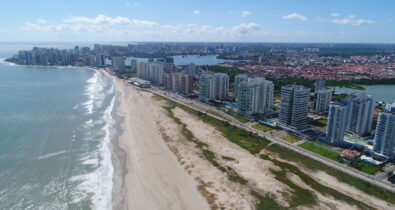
[{"x": 209, "y": 110}]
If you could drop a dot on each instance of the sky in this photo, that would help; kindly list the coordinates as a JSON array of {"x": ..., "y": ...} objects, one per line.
[{"x": 332, "y": 21}]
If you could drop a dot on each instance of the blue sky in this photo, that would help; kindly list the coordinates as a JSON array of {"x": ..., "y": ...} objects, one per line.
[{"x": 203, "y": 20}]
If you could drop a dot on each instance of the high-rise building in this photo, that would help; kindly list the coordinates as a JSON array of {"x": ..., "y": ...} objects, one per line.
[
  {"x": 141, "y": 69},
  {"x": 255, "y": 96},
  {"x": 152, "y": 71},
  {"x": 133, "y": 65},
  {"x": 191, "y": 69},
  {"x": 361, "y": 114},
  {"x": 206, "y": 87},
  {"x": 294, "y": 106},
  {"x": 322, "y": 100},
  {"x": 337, "y": 121},
  {"x": 170, "y": 68},
  {"x": 221, "y": 86},
  {"x": 99, "y": 61},
  {"x": 213, "y": 87},
  {"x": 384, "y": 141},
  {"x": 238, "y": 79},
  {"x": 118, "y": 64},
  {"x": 186, "y": 84},
  {"x": 156, "y": 72},
  {"x": 319, "y": 84}
]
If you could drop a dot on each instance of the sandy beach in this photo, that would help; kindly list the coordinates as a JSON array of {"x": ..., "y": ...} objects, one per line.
[{"x": 153, "y": 178}]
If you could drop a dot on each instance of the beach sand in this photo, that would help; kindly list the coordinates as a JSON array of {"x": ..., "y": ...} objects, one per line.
[{"x": 153, "y": 177}]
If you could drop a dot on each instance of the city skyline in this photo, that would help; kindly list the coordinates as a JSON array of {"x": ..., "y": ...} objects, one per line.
[{"x": 231, "y": 21}]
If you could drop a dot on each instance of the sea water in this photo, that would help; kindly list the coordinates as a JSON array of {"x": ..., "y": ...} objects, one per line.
[{"x": 55, "y": 130}]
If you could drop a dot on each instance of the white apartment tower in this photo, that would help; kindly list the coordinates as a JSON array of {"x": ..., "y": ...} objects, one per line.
[
  {"x": 384, "y": 141},
  {"x": 294, "y": 106},
  {"x": 337, "y": 121},
  {"x": 255, "y": 96},
  {"x": 322, "y": 100},
  {"x": 361, "y": 114}
]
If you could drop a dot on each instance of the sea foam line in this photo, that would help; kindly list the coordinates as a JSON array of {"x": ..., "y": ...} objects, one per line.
[
  {"x": 50, "y": 155},
  {"x": 99, "y": 183}
]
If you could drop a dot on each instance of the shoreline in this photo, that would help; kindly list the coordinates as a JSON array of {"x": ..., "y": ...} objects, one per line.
[{"x": 118, "y": 159}]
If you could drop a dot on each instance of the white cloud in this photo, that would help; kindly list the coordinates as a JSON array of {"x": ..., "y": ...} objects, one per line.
[
  {"x": 133, "y": 4},
  {"x": 294, "y": 16},
  {"x": 122, "y": 28},
  {"x": 335, "y": 14},
  {"x": 196, "y": 12},
  {"x": 103, "y": 19},
  {"x": 351, "y": 20},
  {"x": 245, "y": 13},
  {"x": 41, "y": 21}
]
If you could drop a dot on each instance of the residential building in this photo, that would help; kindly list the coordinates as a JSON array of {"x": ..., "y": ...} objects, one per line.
[
  {"x": 337, "y": 121},
  {"x": 133, "y": 65},
  {"x": 319, "y": 84},
  {"x": 221, "y": 86},
  {"x": 151, "y": 71},
  {"x": 294, "y": 106},
  {"x": 169, "y": 82},
  {"x": 191, "y": 69},
  {"x": 170, "y": 68},
  {"x": 384, "y": 141},
  {"x": 322, "y": 100},
  {"x": 361, "y": 114},
  {"x": 118, "y": 64},
  {"x": 141, "y": 69},
  {"x": 213, "y": 87},
  {"x": 206, "y": 87},
  {"x": 238, "y": 79},
  {"x": 255, "y": 96},
  {"x": 186, "y": 86}
]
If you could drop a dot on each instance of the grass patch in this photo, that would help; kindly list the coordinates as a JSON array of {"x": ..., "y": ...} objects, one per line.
[
  {"x": 365, "y": 167},
  {"x": 323, "y": 121},
  {"x": 228, "y": 158},
  {"x": 127, "y": 75},
  {"x": 311, "y": 182},
  {"x": 215, "y": 114},
  {"x": 300, "y": 196},
  {"x": 291, "y": 138},
  {"x": 321, "y": 151},
  {"x": 238, "y": 117},
  {"x": 266, "y": 202},
  {"x": 262, "y": 128},
  {"x": 342, "y": 177},
  {"x": 319, "y": 123}
]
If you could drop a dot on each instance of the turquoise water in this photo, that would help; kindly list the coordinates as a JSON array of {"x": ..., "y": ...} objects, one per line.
[
  {"x": 187, "y": 59},
  {"x": 384, "y": 93},
  {"x": 55, "y": 131}
]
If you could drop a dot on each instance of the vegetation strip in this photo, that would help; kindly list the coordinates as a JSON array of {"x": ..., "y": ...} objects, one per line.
[
  {"x": 321, "y": 151},
  {"x": 254, "y": 144},
  {"x": 210, "y": 156},
  {"x": 366, "y": 187}
]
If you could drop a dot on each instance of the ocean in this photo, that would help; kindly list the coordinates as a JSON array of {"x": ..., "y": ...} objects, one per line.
[{"x": 56, "y": 128}]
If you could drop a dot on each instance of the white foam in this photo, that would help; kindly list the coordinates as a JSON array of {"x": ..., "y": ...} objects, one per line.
[
  {"x": 99, "y": 183},
  {"x": 94, "y": 92},
  {"x": 41, "y": 157}
]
